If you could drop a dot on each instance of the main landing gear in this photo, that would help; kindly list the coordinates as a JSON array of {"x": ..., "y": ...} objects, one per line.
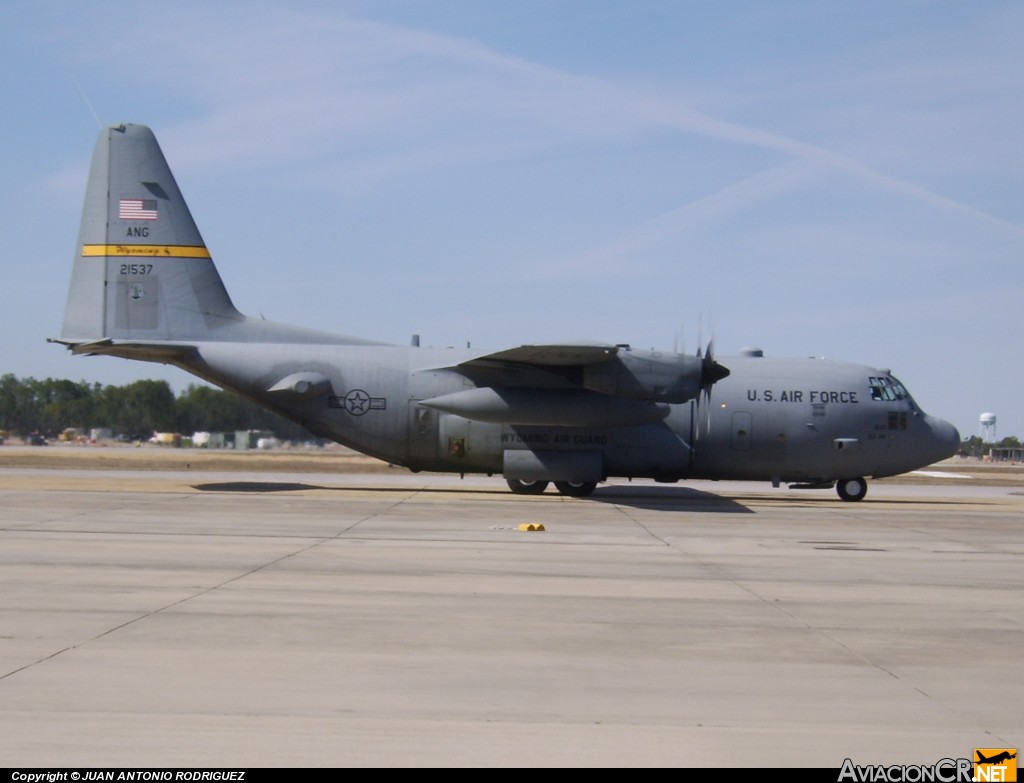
[
  {"x": 526, "y": 487},
  {"x": 852, "y": 489},
  {"x": 576, "y": 489}
]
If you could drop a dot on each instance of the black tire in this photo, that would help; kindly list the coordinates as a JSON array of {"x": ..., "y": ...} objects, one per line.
[
  {"x": 526, "y": 487},
  {"x": 576, "y": 489},
  {"x": 852, "y": 489}
]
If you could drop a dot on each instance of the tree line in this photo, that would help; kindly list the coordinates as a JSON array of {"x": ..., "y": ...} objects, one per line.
[
  {"x": 975, "y": 446},
  {"x": 136, "y": 410}
]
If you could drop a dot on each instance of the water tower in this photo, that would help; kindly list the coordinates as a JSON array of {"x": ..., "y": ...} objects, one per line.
[{"x": 988, "y": 427}]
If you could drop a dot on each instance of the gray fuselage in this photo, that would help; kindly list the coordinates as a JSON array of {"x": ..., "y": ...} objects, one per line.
[{"x": 807, "y": 420}]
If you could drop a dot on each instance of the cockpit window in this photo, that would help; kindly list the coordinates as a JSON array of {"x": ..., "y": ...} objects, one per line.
[{"x": 887, "y": 389}]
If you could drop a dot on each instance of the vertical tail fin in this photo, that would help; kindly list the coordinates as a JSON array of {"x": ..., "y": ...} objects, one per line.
[{"x": 142, "y": 270}]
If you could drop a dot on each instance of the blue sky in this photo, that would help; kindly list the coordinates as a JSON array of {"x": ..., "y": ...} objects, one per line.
[{"x": 830, "y": 179}]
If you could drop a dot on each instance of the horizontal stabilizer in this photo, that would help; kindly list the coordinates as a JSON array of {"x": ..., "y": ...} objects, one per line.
[{"x": 144, "y": 351}]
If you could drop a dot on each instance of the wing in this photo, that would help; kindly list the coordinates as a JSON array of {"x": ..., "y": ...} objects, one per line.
[
  {"x": 574, "y": 384},
  {"x": 550, "y": 355}
]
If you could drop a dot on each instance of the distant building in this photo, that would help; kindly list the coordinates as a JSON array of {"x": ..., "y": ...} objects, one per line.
[
  {"x": 249, "y": 439},
  {"x": 1015, "y": 454}
]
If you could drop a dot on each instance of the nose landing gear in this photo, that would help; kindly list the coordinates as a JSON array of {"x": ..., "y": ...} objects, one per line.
[{"x": 852, "y": 489}]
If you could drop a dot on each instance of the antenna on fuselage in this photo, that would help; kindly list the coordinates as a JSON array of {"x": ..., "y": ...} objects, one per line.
[{"x": 87, "y": 102}]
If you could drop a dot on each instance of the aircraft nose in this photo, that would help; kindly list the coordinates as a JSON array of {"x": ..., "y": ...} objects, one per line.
[{"x": 946, "y": 437}]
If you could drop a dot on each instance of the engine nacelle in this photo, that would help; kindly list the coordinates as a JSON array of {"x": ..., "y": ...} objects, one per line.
[
  {"x": 646, "y": 375},
  {"x": 547, "y": 407}
]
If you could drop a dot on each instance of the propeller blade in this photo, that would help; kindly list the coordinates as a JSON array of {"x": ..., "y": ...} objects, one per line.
[{"x": 711, "y": 372}]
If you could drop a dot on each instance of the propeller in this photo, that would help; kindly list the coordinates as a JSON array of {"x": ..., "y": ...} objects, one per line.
[{"x": 711, "y": 372}]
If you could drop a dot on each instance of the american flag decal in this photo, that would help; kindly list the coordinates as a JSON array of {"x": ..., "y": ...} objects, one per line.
[{"x": 137, "y": 209}]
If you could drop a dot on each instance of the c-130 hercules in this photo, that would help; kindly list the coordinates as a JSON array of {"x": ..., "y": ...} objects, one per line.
[{"x": 144, "y": 287}]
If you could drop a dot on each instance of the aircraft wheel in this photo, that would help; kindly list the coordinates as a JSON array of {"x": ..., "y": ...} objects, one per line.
[
  {"x": 576, "y": 489},
  {"x": 852, "y": 490},
  {"x": 527, "y": 487}
]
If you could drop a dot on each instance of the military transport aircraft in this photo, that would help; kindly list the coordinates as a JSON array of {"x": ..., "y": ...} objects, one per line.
[{"x": 144, "y": 287}]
